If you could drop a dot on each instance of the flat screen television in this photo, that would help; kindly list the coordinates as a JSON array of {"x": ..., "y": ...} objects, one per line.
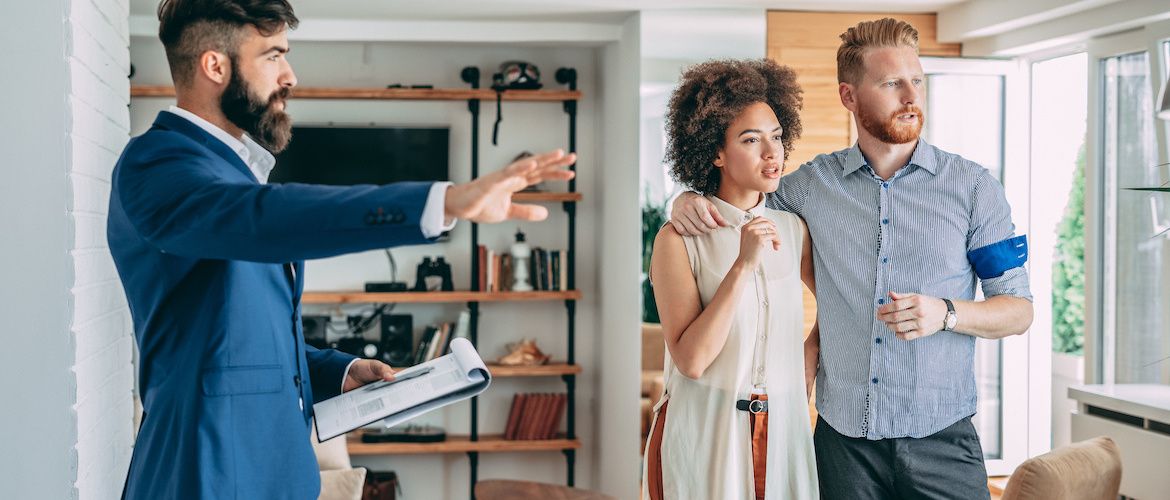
[{"x": 345, "y": 156}]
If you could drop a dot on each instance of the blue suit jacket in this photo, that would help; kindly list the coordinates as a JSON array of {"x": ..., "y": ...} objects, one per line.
[{"x": 212, "y": 265}]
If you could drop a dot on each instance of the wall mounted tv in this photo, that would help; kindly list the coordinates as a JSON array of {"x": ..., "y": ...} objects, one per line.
[{"x": 344, "y": 156}]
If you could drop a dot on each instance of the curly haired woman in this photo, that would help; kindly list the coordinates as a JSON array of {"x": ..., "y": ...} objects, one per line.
[{"x": 733, "y": 422}]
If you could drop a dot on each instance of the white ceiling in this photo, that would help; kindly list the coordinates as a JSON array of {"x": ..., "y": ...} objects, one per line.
[{"x": 557, "y": 10}]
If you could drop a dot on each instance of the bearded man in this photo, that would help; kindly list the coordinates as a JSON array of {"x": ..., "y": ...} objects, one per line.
[
  {"x": 903, "y": 231},
  {"x": 211, "y": 260}
]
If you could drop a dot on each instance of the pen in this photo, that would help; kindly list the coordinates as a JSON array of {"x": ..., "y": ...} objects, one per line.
[{"x": 401, "y": 377}]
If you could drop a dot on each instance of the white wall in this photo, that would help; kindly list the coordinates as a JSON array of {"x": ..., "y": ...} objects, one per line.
[
  {"x": 672, "y": 40},
  {"x": 67, "y": 355},
  {"x": 35, "y": 269},
  {"x": 1004, "y": 28},
  {"x": 526, "y": 126},
  {"x": 619, "y": 339}
]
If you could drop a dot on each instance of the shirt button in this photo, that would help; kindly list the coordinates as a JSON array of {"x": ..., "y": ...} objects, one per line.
[
  {"x": 765, "y": 302},
  {"x": 885, "y": 221},
  {"x": 878, "y": 341},
  {"x": 875, "y": 380},
  {"x": 881, "y": 301},
  {"x": 297, "y": 380},
  {"x": 885, "y": 260},
  {"x": 886, "y": 185}
]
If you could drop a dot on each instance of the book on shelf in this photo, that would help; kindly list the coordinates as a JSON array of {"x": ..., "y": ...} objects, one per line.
[
  {"x": 513, "y": 416},
  {"x": 564, "y": 265},
  {"x": 481, "y": 260},
  {"x": 436, "y": 339},
  {"x": 535, "y": 416},
  {"x": 439, "y": 344},
  {"x": 527, "y": 416},
  {"x": 507, "y": 278},
  {"x": 462, "y": 328},
  {"x": 420, "y": 351},
  {"x": 556, "y": 270},
  {"x": 547, "y": 270}
]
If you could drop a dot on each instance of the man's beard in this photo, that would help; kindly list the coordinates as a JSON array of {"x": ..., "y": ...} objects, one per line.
[
  {"x": 889, "y": 130},
  {"x": 268, "y": 126}
]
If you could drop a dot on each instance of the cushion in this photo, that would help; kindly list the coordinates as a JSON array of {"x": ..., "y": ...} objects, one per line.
[
  {"x": 342, "y": 484},
  {"x": 653, "y": 347},
  {"x": 1088, "y": 470},
  {"x": 332, "y": 454},
  {"x": 652, "y": 384}
]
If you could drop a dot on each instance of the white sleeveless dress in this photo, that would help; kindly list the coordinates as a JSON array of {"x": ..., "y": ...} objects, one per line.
[{"x": 706, "y": 444}]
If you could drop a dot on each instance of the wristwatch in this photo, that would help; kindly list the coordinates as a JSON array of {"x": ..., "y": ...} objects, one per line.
[{"x": 951, "y": 319}]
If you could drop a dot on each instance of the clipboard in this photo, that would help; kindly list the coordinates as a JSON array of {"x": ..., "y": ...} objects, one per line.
[{"x": 414, "y": 391}]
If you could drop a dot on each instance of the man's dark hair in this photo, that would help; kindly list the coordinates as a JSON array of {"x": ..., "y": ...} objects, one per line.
[
  {"x": 188, "y": 28},
  {"x": 706, "y": 101}
]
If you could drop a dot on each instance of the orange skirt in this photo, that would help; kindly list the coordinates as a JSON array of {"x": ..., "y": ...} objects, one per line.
[{"x": 758, "y": 425}]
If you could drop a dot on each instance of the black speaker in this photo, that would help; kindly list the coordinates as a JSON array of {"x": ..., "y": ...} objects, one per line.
[
  {"x": 315, "y": 328},
  {"x": 397, "y": 339},
  {"x": 358, "y": 346}
]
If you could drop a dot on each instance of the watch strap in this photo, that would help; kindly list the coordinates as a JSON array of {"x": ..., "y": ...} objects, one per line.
[{"x": 950, "y": 314}]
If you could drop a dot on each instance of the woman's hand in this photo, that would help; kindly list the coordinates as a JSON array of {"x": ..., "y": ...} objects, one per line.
[{"x": 754, "y": 238}]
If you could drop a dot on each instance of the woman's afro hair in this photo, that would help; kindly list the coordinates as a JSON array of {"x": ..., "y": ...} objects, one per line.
[{"x": 708, "y": 98}]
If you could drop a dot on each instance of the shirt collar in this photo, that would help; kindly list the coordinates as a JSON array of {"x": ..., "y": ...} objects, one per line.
[
  {"x": 258, "y": 159},
  {"x": 923, "y": 157},
  {"x": 734, "y": 215}
]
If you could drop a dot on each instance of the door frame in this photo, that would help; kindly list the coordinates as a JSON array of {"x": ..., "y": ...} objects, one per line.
[{"x": 1018, "y": 362}]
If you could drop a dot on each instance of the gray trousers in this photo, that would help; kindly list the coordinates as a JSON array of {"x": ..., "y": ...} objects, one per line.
[{"x": 944, "y": 465}]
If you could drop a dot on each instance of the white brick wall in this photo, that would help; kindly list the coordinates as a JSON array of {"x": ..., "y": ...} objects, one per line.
[{"x": 97, "y": 61}]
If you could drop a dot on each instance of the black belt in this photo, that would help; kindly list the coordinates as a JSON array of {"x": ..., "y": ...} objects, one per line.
[{"x": 753, "y": 405}]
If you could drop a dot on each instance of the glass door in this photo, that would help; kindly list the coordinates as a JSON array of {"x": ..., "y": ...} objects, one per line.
[
  {"x": 976, "y": 108},
  {"x": 1129, "y": 327}
]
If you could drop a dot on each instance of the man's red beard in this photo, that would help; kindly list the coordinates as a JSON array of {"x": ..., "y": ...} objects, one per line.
[{"x": 889, "y": 130}]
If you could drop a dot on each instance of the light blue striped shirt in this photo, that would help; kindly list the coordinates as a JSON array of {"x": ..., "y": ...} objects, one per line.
[{"x": 913, "y": 234}]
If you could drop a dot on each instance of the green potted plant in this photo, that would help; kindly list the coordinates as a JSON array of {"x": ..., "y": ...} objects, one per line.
[{"x": 653, "y": 217}]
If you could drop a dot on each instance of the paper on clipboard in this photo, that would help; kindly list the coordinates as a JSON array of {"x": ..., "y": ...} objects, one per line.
[{"x": 415, "y": 391}]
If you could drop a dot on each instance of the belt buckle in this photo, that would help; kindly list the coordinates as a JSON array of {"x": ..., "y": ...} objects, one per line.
[{"x": 756, "y": 406}]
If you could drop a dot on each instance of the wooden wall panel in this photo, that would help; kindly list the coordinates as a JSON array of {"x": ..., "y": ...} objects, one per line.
[{"x": 807, "y": 42}]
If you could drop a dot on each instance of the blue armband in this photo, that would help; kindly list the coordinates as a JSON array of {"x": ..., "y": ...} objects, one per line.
[{"x": 993, "y": 260}]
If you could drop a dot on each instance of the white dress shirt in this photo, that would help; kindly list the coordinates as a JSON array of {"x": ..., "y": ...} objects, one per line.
[{"x": 261, "y": 162}]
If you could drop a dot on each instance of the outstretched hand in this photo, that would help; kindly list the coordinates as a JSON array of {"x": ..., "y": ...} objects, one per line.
[{"x": 489, "y": 198}]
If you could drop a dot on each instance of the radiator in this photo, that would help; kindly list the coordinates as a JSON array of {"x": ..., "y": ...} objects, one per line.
[{"x": 1137, "y": 418}]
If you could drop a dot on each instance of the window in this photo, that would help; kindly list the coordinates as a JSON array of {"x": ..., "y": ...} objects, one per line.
[
  {"x": 965, "y": 116},
  {"x": 967, "y": 113},
  {"x": 1137, "y": 295},
  {"x": 1059, "y": 93}
]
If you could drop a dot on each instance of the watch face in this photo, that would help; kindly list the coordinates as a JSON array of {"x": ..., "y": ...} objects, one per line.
[{"x": 951, "y": 320}]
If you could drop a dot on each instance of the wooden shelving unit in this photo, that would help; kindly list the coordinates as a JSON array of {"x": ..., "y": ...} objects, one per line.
[
  {"x": 356, "y": 297},
  {"x": 393, "y": 94},
  {"x": 458, "y": 444},
  {"x": 537, "y": 197},
  {"x": 474, "y": 442},
  {"x": 549, "y": 370}
]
